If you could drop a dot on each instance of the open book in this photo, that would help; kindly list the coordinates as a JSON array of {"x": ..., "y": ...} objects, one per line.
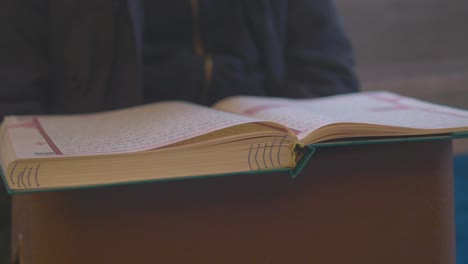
[{"x": 174, "y": 140}]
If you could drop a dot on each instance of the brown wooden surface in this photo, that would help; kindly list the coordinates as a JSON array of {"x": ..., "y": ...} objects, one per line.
[{"x": 389, "y": 203}]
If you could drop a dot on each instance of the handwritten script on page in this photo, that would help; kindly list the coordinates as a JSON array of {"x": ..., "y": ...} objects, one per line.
[
  {"x": 283, "y": 111},
  {"x": 379, "y": 108},
  {"x": 135, "y": 129}
]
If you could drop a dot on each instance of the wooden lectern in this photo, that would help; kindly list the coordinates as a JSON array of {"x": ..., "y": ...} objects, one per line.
[{"x": 384, "y": 203}]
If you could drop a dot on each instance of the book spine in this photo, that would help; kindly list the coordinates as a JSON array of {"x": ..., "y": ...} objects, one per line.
[{"x": 305, "y": 153}]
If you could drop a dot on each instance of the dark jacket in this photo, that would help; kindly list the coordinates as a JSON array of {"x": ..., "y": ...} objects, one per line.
[{"x": 70, "y": 56}]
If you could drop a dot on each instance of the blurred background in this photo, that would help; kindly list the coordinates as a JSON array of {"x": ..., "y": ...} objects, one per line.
[
  {"x": 413, "y": 47},
  {"x": 417, "y": 48}
]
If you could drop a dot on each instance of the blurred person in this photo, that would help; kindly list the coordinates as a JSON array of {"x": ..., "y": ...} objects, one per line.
[
  {"x": 70, "y": 56},
  {"x": 76, "y": 56}
]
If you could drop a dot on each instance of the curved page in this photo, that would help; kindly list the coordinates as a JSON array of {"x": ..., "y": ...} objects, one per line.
[
  {"x": 121, "y": 131},
  {"x": 379, "y": 108}
]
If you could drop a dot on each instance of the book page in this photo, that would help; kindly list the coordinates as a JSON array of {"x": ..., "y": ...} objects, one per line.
[
  {"x": 287, "y": 112},
  {"x": 375, "y": 108},
  {"x": 134, "y": 129}
]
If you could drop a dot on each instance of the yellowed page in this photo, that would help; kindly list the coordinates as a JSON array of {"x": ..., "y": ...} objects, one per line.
[
  {"x": 376, "y": 108},
  {"x": 134, "y": 129}
]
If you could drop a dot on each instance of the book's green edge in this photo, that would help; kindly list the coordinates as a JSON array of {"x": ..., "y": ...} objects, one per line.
[
  {"x": 23, "y": 191},
  {"x": 457, "y": 135},
  {"x": 312, "y": 148},
  {"x": 9, "y": 191},
  {"x": 308, "y": 151}
]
